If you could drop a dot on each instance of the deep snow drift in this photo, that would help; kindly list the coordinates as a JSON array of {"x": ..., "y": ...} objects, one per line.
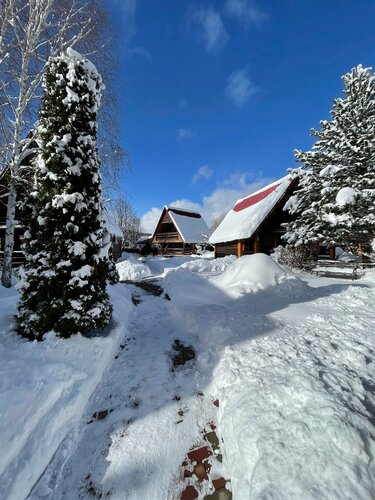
[
  {"x": 290, "y": 359},
  {"x": 44, "y": 387},
  {"x": 251, "y": 273},
  {"x": 132, "y": 268}
]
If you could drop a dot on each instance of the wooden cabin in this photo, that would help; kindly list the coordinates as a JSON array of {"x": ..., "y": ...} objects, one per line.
[
  {"x": 254, "y": 224},
  {"x": 179, "y": 231}
]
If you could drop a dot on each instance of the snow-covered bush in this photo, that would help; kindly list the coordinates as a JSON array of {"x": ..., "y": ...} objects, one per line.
[
  {"x": 301, "y": 258},
  {"x": 63, "y": 288}
]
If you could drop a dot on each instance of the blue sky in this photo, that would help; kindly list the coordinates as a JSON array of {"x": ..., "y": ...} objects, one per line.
[{"x": 215, "y": 95}]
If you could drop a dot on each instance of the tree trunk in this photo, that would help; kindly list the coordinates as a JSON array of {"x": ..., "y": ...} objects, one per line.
[{"x": 6, "y": 277}]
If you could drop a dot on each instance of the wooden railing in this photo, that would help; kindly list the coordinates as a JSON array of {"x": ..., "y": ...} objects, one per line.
[
  {"x": 167, "y": 236},
  {"x": 339, "y": 269},
  {"x": 18, "y": 258},
  {"x": 175, "y": 251}
]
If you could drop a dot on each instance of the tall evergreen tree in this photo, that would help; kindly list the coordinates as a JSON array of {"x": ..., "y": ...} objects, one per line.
[
  {"x": 336, "y": 201},
  {"x": 64, "y": 280}
]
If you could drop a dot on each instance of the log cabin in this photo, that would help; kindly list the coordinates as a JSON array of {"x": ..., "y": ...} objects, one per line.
[
  {"x": 254, "y": 224},
  {"x": 179, "y": 231}
]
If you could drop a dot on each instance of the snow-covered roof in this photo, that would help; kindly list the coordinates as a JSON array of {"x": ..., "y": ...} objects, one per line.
[
  {"x": 248, "y": 213},
  {"x": 191, "y": 225}
]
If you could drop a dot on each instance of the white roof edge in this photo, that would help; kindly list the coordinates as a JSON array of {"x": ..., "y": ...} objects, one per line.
[
  {"x": 265, "y": 212},
  {"x": 178, "y": 229}
]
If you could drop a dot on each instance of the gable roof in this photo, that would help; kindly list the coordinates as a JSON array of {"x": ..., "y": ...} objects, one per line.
[
  {"x": 248, "y": 213},
  {"x": 191, "y": 225}
]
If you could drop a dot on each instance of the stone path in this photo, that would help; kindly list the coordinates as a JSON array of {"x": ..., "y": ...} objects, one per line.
[{"x": 196, "y": 469}]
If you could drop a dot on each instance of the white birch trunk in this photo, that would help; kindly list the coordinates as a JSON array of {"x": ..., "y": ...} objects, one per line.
[{"x": 6, "y": 277}]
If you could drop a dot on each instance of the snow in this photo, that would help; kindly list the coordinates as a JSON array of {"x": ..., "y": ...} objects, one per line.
[
  {"x": 348, "y": 257},
  {"x": 345, "y": 196},
  {"x": 251, "y": 273},
  {"x": 192, "y": 229},
  {"x": 208, "y": 266},
  {"x": 241, "y": 222},
  {"x": 77, "y": 248},
  {"x": 44, "y": 387},
  {"x": 289, "y": 357},
  {"x": 132, "y": 268}
]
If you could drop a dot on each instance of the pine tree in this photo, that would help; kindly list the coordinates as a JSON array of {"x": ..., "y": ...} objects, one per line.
[
  {"x": 335, "y": 204},
  {"x": 64, "y": 280}
]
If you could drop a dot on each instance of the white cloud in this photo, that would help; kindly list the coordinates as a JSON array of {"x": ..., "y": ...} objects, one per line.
[
  {"x": 220, "y": 201},
  {"x": 203, "y": 172},
  {"x": 184, "y": 133},
  {"x": 239, "y": 87},
  {"x": 245, "y": 11},
  {"x": 211, "y": 29},
  {"x": 187, "y": 204},
  {"x": 150, "y": 219},
  {"x": 223, "y": 198}
]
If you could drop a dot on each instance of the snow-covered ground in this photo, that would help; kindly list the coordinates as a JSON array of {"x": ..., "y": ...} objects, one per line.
[
  {"x": 44, "y": 388},
  {"x": 289, "y": 358}
]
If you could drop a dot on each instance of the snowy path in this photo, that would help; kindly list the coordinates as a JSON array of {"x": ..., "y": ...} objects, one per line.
[
  {"x": 292, "y": 366},
  {"x": 155, "y": 416}
]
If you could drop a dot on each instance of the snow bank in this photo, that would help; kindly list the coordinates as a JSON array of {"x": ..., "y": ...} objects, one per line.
[
  {"x": 44, "y": 387},
  {"x": 132, "y": 268},
  {"x": 159, "y": 265},
  {"x": 251, "y": 273},
  {"x": 206, "y": 265},
  {"x": 188, "y": 289}
]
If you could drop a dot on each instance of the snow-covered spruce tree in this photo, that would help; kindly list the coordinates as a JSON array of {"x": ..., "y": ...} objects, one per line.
[
  {"x": 64, "y": 280},
  {"x": 336, "y": 200}
]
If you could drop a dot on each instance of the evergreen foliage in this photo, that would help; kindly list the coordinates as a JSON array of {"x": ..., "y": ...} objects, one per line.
[
  {"x": 335, "y": 204},
  {"x": 64, "y": 280}
]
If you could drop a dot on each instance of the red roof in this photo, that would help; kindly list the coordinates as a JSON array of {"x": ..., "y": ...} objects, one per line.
[{"x": 255, "y": 198}]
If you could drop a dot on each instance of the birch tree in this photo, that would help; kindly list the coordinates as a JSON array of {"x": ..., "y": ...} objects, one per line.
[
  {"x": 127, "y": 220},
  {"x": 30, "y": 32}
]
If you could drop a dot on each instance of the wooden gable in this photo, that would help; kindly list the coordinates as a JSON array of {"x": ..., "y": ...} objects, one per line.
[{"x": 166, "y": 231}]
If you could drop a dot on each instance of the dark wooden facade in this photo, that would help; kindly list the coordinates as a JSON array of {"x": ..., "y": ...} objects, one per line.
[
  {"x": 167, "y": 237},
  {"x": 268, "y": 234}
]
